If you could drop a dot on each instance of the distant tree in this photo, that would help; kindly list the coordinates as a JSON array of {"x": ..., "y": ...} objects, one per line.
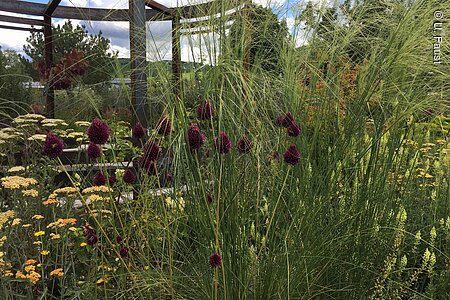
[
  {"x": 267, "y": 36},
  {"x": 13, "y": 89},
  {"x": 66, "y": 38}
]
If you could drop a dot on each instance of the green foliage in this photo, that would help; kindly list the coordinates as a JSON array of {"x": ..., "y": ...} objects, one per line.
[
  {"x": 258, "y": 31},
  {"x": 67, "y": 37},
  {"x": 14, "y": 94}
]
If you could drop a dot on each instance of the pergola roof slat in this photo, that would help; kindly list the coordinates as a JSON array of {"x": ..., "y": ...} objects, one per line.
[
  {"x": 19, "y": 20},
  {"x": 30, "y": 29},
  {"x": 78, "y": 13}
]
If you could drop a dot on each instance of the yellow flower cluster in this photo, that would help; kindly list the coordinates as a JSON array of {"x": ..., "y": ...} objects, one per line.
[
  {"x": 7, "y": 134},
  {"x": 175, "y": 204},
  {"x": 62, "y": 222},
  {"x": 53, "y": 122},
  {"x": 29, "y": 117},
  {"x": 30, "y": 269},
  {"x": 66, "y": 190},
  {"x": 16, "y": 169},
  {"x": 55, "y": 236},
  {"x": 83, "y": 123},
  {"x": 30, "y": 193},
  {"x": 57, "y": 272},
  {"x": 37, "y": 217},
  {"x": 76, "y": 134},
  {"x": 16, "y": 182},
  {"x": 37, "y": 137},
  {"x": 5, "y": 216},
  {"x": 97, "y": 189},
  {"x": 94, "y": 198}
]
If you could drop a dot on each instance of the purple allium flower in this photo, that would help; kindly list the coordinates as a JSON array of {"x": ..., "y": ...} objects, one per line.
[
  {"x": 215, "y": 260},
  {"x": 287, "y": 120},
  {"x": 138, "y": 132},
  {"x": 129, "y": 176},
  {"x": 279, "y": 121},
  {"x": 53, "y": 146},
  {"x": 98, "y": 132},
  {"x": 205, "y": 111},
  {"x": 244, "y": 145},
  {"x": 94, "y": 151},
  {"x": 99, "y": 179},
  {"x": 124, "y": 252},
  {"x": 223, "y": 143},
  {"x": 210, "y": 198},
  {"x": 112, "y": 180},
  {"x": 292, "y": 155},
  {"x": 119, "y": 239},
  {"x": 151, "y": 150},
  {"x": 195, "y": 137},
  {"x": 293, "y": 129},
  {"x": 163, "y": 126},
  {"x": 91, "y": 239}
]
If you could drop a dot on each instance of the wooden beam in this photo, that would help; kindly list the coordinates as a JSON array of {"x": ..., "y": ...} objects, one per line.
[
  {"x": 77, "y": 13},
  {"x": 138, "y": 61},
  {"x": 51, "y": 7},
  {"x": 159, "y": 7},
  {"x": 20, "y": 28},
  {"x": 18, "y": 20},
  {"x": 48, "y": 54},
  {"x": 176, "y": 56}
]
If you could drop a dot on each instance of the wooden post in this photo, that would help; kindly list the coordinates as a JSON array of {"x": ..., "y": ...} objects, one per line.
[
  {"x": 138, "y": 61},
  {"x": 176, "y": 55},
  {"x": 48, "y": 53}
]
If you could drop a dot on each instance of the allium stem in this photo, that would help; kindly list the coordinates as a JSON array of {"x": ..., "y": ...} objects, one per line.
[{"x": 276, "y": 206}]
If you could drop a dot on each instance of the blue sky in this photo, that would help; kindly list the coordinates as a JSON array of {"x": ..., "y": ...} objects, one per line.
[{"x": 158, "y": 33}]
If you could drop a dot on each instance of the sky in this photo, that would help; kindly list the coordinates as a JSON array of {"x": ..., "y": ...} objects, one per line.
[{"x": 158, "y": 33}]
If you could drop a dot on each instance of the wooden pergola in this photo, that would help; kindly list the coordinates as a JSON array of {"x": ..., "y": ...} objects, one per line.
[{"x": 193, "y": 19}]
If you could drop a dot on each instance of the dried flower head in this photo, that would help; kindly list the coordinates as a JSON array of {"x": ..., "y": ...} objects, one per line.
[
  {"x": 215, "y": 260},
  {"x": 195, "y": 137},
  {"x": 91, "y": 239},
  {"x": 138, "y": 132},
  {"x": 223, "y": 143},
  {"x": 99, "y": 179},
  {"x": 98, "y": 132},
  {"x": 205, "y": 111},
  {"x": 129, "y": 176},
  {"x": 293, "y": 129},
  {"x": 292, "y": 155},
  {"x": 124, "y": 252},
  {"x": 52, "y": 147},
  {"x": 164, "y": 127},
  {"x": 94, "y": 151},
  {"x": 244, "y": 145}
]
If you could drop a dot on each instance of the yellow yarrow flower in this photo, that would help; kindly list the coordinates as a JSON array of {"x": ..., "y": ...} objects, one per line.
[
  {"x": 55, "y": 236},
  {"x": 30, "y": 193},
  {"x": 57, "y": 272},
  {"x": 37, "y": 217},
  {"x": 16, "y": 182},
  {"x": 33, "y": 277},
  {"x": 39, "y": 233},
  {"x": 45, "y": 252},
  {"x": 30, "y": 268},
  {"x": 16, "y": 221},
  {"x": 16, "y": 169}
]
